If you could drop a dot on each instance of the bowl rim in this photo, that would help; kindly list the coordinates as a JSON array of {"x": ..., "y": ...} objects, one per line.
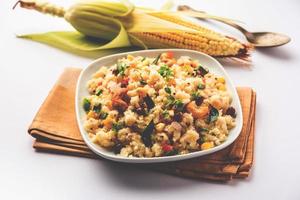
[{"x": 96, "y": 148}]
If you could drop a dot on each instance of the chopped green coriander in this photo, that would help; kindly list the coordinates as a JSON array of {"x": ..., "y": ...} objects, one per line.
[
  {"x": 98, "y": 93},
  {"x": 165, "y": 114},
  {"x": 143, "y": 82},
  {"x": 170, "y": 98},
  {"x": 203, "y": 129},
  {"x": 201, "y": 71},
  {"x": 195, "y": 95},
  {"x": 170, "y": 101},
  {"x": 121, "y": 67},
  {"x": 86, "y": 105},
  {"x": 168, "y": 90},
  {"x": 178, "y": 105},
  {"x": 117, "y": 126},
  {"x": 201, "y": 140},
  {"x": 97, "y": 108},
  {"x": 165, "y": 71},
  {"x": 103, "y": 115},
  {"x": 171, "y": 153},
  {"x": 156, "y": 60},
  {"x": 197, "y": 98},
  {"x": 144, "y": 58},
  {"x": 201, "y": 86}
]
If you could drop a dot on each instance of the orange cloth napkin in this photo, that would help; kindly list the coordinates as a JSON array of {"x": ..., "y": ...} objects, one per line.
[{"x": 55, "y": 130}]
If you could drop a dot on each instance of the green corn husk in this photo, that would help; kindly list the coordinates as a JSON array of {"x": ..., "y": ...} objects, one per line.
[
  {"x": 93, "y": 39},
  {"x": 77, "y": 43}
]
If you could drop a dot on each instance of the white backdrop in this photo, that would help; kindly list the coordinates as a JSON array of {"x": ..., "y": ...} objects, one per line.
[{"x": 28, "y": 70}]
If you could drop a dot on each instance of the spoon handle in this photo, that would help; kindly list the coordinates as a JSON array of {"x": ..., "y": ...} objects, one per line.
[{"x": 203, "y": 15}]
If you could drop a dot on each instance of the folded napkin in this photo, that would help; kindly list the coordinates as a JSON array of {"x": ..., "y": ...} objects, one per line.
[{"x": 55, "y": 130}]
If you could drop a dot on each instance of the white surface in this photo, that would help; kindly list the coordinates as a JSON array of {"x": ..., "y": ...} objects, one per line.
[
  {"x": 28, "y": 71},
  {"x": 207, "y": 61}
]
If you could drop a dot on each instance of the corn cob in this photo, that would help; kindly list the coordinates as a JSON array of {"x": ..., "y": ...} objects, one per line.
[
  {"x": 105, "y": 20},
  {"x": 205, "y": 40}
]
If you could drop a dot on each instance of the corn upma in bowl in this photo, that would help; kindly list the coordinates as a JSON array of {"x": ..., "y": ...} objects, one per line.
[{"x": 157, "y": 106}]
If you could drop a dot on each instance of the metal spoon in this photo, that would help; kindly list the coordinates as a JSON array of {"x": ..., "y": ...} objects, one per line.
[{"x": 258, "y": 39}]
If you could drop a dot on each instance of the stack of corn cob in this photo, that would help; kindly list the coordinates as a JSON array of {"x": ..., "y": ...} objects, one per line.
[{"x": 119, "y": 24}]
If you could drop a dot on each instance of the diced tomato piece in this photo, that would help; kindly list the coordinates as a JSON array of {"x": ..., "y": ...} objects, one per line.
[
  {"x": 133, "y": 65},
  {"x": 167, "y": 148},
  {"x": 124, "y": 82},
  {"x": 169, "y": 54},
  {"x": 99, "y": 83}
]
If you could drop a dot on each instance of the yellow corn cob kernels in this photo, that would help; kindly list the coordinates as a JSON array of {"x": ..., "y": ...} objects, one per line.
[
  {"x": 207, "y": 145},
  {"x": 130, "y": 57},
  {"x": 107, "y": 123},
  {"x": 91, "y": 114},
  {"x": 192, "y": 41},
  {"x": 204, "y": 40},
  {"x": 221, "y": 87},
  {"x": 221, "y": 80},
  {"x": 175, "y": 19}
]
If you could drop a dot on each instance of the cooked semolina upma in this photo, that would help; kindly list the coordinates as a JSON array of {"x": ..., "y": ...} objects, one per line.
[{"x": 152, "y": 107}]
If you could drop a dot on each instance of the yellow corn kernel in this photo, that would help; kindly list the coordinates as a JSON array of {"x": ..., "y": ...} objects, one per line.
[
  {"x": 130, "y": 57},
  {"x": 222, "y": 87},
  {"x": 91, "y": 114},
  {"x": 107, "y": 123},
  {"x": 93, "y": 85},
  {"x": 221, "y": 80},
  {"x": 207, "y": 145},
  {"x": 188, "y": 68}
]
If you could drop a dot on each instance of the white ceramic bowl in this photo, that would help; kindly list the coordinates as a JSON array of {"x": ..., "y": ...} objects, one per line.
[{"x": 207, "y": 61}]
